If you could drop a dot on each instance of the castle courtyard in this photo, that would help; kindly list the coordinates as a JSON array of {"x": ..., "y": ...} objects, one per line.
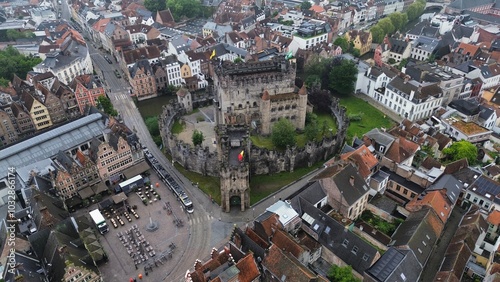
[{"x": 201, "y": 120}]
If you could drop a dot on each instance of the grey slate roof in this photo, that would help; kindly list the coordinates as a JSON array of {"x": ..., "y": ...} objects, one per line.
[
  {"x": 336, "y": 238},
  {"x": 48, "y": 144},
  {"x": 312, "y": 194},
  {"x": 64, "y": 160},
  {"x": 464, "y": 106},
  {"x": 451, "y": 184},
  {"x": 380, "y": 137},
  {"x": 141, "y": 64},
  {"x": 426, "y": 43},
  {"x": 417, "y": 233},
  {"x": 46, "y": 242},
  {"x": 350, "y": 193},
  {"x": 394, "y": 265},
  {"x": 487, "y": 188},
  {"x": 398, "y": 46},
  {"x": 485, "y": 112}
]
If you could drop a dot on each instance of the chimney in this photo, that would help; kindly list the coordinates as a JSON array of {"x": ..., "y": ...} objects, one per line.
[
  {"x": 412, "y": 94},
  {"x": 406, "y": 79},
  {"x": 61, "y": 249},
  {"x": 351, "y": 180}
]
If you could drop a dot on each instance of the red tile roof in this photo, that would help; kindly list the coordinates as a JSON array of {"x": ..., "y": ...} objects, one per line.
[
  {"x": 494, "y": 217},
  {"x": 248, "y": 269},
  {"x": 283, "y": 265},
  {"x": 285, "y": 242},
  {"x": 317, "y": 9},
  {"x": 401, "y": 149},
  {"x": 436, "y": 200},
  {"x": 465, "y": 48},
  {"x": 364, "y": 160}
]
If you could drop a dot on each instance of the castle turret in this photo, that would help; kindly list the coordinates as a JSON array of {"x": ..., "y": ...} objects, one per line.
[
  {"x": 301, "y": 120},
  {"x": 265, "y": 111},
  {"x": 184, "y": 98}
]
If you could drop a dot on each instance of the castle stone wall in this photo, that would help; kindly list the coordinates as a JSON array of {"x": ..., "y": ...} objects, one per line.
[{"x": 262, "y": 161}]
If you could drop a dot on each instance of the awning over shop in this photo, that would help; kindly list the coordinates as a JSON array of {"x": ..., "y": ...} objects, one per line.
[
  {"x": 136, "y": 169},
  {"x": 118, "y": 198},
  {"x": 105, "y": 204},
  {"x": 100, "y": 187},
  {"x": 73, "y": 202},
  {"x": 86, "y": 193}
]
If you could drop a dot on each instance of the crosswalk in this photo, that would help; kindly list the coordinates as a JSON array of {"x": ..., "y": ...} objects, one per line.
[
  {"x": 120, "y": 96},
  {"x": 195, "y": 219}
]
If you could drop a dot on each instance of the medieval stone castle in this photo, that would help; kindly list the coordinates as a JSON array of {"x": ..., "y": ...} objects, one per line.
[
  {"x": 257, "y": 94},
  {"x": 249, "y": 97}
]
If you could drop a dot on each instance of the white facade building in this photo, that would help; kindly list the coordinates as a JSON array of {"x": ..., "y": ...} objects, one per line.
[{"x": 410, "y": 99}]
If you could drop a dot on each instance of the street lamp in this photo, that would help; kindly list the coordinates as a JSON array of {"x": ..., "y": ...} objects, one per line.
[{"x": 253, "y": 212}]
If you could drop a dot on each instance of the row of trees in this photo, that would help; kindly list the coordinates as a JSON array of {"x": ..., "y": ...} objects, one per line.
[
  {"x": 13, "y": 62},
  {"x": 347, "y": 46},
  {"x": 396, "y": 21},
  {"x": 12, "y": 35},
  {"x": 179, "y": 8},
  {"x": 335, "y": 74}
]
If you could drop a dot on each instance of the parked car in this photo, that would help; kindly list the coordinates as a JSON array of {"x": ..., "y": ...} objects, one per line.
[
  {"x": 107, "y": 59},
  {"x": 117, "y": 73}
]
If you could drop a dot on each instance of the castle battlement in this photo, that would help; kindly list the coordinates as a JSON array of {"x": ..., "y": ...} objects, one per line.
[{"x": 277, "y": 64}]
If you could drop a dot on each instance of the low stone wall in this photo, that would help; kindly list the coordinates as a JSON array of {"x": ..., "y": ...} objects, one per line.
[{"x": 262, "y": 161}]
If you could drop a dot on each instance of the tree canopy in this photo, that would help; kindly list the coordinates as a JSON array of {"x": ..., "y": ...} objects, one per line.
[
  {"x": 343, "y": 77},
  {"x": 377, "y": 34},
  {"x": 305, "y": 5},
  {"x": 397, "y": 21},
  {"x": 155, "y": 5},
  {"x": 462, "y": 149},
  {"x": 283, "y": 134},
  {"x": 341, "y": 274},
  {"x": 386, "y": 25},
  {"x": 185, "y": 8},
  {"x": 197, "y": 137},
  {"x": 13, "y": 62},
  {"x": 106, "y": 106},
  {"x": 342, "y": 43},
  {"x": 335, "y": 74}
]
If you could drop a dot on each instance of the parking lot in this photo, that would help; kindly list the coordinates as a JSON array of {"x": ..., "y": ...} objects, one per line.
[{"x": 134, "y": 247}]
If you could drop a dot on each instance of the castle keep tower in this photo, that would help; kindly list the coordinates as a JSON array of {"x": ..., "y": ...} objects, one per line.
[
  {"x": 257, "y": 94},
  {"x": 251, "y": 95}
]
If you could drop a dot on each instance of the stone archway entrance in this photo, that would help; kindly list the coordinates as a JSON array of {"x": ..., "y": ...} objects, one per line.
[{"x": 235, "y": 201}]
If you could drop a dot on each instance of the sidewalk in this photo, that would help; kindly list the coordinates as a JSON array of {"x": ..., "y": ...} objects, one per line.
[{"x": 397, "y": 118}]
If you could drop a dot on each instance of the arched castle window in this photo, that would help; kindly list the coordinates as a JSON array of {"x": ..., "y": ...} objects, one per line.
[
  {"x": 240, "y": 106},
  {"x": 280, "y": 108},
  {"x": 293, "y": 117},
  {"x": 273, "y": 109},
  {"x": 255, "y": 104},
  {"x": 273, "y": 119},
  {"x": 294, "y": 106},
  {"x": 287, "y": 107}
]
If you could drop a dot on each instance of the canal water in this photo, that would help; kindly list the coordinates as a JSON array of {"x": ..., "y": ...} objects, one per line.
[{"x": 153, "y": 106}]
